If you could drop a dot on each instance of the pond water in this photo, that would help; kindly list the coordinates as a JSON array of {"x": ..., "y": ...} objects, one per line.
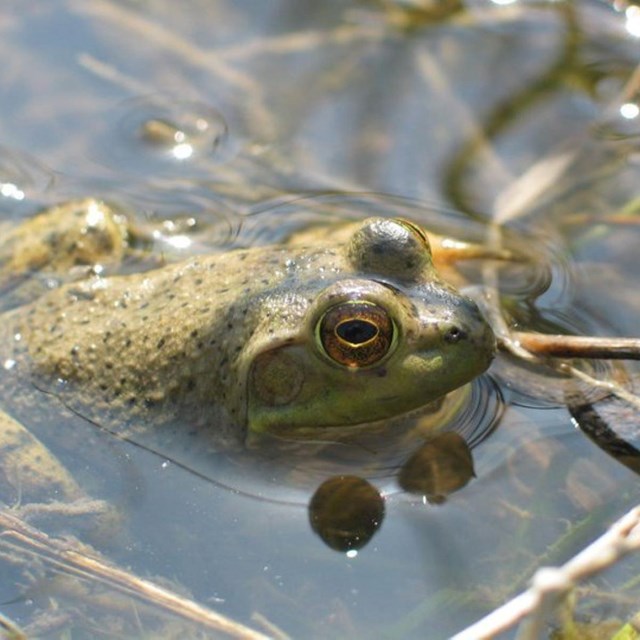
[{"x": 220, "y": 124}]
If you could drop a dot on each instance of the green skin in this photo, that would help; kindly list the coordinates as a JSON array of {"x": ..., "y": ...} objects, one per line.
[{"x": 227, "y": 346}]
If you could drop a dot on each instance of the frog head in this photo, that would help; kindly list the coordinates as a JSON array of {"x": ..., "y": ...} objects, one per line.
[{"x": 379, "y": 335}]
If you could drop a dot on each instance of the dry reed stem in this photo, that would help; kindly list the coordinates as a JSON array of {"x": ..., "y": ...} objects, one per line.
[
  {"x": 73, "y": 558},
  {"x": 550, "y": 585}
]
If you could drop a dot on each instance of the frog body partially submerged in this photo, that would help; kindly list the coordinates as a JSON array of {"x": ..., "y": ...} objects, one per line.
[{"x": 309, "y": 336}]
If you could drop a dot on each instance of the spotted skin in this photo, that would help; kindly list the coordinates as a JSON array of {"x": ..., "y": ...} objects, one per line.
[{"x": 221, "y": 347}]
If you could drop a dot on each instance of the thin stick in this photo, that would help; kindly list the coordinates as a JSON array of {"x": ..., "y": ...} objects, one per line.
[
  {"x": 74, "y": 559},
  {"x": 564, "y": 346},
  {"x": 10, "y": 630},
  {"x": 550, "y": 585}
]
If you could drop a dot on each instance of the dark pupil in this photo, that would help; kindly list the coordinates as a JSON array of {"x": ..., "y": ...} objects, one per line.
[{"x": 356, "y": 331}]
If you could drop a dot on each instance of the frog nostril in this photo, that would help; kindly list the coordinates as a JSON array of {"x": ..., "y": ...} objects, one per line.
[{"x": 454, "y": 334}]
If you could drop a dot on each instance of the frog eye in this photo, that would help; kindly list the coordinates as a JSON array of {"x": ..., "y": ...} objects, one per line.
[{"x": 356, "y": 334}]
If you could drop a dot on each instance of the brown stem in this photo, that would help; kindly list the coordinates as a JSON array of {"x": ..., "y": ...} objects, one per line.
[{"x": 564, "y": 346}]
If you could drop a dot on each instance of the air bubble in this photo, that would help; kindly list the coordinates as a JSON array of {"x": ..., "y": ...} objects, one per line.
[
  {"x": 163, "y": 135},
  {"x": 188, "y": 134}
]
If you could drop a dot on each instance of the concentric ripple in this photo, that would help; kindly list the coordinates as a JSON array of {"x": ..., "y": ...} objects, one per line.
[{"x": 164, "y": 135}]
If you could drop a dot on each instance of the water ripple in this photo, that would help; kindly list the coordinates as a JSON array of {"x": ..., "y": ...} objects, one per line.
[{"x": 165, "y": 135}]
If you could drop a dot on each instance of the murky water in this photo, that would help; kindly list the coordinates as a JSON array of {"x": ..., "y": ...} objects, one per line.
[{"x": 219, "y": 124}]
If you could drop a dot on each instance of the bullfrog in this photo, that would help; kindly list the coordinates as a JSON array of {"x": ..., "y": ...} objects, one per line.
[{"x": 332, "y": 330}]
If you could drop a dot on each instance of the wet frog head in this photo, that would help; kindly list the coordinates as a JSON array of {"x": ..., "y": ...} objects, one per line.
[
  {"x": 379, "y": 335},
  {"x": 343, "y": 329}
]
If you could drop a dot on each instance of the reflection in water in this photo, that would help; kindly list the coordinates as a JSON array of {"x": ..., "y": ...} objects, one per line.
[
  {"x": 438, "y": 468},
  {"x": 10, "y": 190},
  {"x": 345, "y": 511},
  {"x": 286, "y": 471},
  {"x": 470, "y": 157},
  {"x": 633, "y": 20},
  {"x": 629, "y": 110},
  {"x": 611, "y": 424}
]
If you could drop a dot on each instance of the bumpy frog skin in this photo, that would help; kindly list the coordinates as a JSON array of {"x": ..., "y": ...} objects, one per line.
[{"x": 300, "y": 337}]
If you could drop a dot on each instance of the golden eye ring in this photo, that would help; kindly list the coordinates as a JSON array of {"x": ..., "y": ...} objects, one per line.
[{"x": 356, "y": 334}]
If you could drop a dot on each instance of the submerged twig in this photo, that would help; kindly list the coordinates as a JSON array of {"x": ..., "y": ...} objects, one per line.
[
  {"x": 10, "y": 629},
  {"x": 533, "y": 347},
  {"x": 73, "y": 559},
  {"x": 109, "y": 72},
  {"x": 551, "y": 584},
  {"x": 518, "y": 343}
]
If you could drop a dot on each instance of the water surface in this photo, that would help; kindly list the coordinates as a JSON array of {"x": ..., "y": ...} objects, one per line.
[{"x": 289, "y": 112}]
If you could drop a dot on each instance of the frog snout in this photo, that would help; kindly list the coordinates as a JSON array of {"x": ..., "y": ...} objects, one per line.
[
  {"x": 454, "y": 334},
  {"x": 469, "y": 329}
]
